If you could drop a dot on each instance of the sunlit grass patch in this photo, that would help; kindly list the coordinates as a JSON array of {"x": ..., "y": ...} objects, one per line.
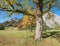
[{"x": 24, "y": 38}]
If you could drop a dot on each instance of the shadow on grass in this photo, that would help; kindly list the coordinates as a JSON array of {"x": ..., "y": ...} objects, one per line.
[
  {"x": 48, "y": 34},
  {"x": 54, "y": 34}
]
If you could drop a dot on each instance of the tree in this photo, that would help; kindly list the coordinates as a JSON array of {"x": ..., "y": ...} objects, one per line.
[
  {"x": 28, "y": 22},
  {"x": 2, "y": 27},
  {"x": 27, "y": 8}
]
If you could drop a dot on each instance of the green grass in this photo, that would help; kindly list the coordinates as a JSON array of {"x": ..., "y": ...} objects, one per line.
[{"x": 14, "y": 37}]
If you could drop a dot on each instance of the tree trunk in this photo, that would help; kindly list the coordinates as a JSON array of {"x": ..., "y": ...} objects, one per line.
[
  {"x": 38, "y": 30},
  {"x": 39, "y": 13}
]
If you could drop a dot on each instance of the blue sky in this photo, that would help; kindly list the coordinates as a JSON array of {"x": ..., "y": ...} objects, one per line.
[
  {"x": 56, "y": 10},
  {"x": 4, "y": 18}
]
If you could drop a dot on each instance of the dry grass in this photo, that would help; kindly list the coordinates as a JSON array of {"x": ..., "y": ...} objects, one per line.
[{"x": 21, "y": 38}]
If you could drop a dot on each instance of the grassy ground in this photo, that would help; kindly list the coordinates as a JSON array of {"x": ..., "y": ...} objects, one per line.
[{"x": 14, "y": 37}]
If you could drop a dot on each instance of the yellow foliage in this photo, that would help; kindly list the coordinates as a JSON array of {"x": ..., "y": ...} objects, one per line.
[
  {"x": 12, "y": 2},
  {"x": 28, "y": 20},
  {"x": 1, "y": 5}
]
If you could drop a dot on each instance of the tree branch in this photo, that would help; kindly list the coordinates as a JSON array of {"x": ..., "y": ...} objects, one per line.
[
  {"x": 20, "y": 11},
  {"x": 19, "y": 4},
  {"x": 10, "y": 4},
  {"x": 49, "y": 6}
]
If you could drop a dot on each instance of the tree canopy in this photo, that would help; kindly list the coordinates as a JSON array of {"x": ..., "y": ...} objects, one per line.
[{"x": 26, "y": 6}]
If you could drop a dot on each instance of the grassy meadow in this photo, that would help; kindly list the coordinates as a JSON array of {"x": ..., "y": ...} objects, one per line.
[{"x": 14, "y": 37}]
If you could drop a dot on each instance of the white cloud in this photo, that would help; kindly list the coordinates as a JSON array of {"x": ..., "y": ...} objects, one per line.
[
  {"x": 57, "y": 19},
  {"x": 50, "y": 22}
]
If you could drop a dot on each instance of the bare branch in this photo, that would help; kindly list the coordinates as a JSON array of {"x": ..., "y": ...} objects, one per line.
[
  {"x": 46, "y": 3},
  {"x": 19, "y": 4},
  {"x": 20, "y": 11},
  {"x": 10, "y": 3},
  {"x": 49, "y": 7}
]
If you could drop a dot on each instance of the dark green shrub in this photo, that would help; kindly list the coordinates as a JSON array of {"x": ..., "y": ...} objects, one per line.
[{"x": 2, "y": 27}]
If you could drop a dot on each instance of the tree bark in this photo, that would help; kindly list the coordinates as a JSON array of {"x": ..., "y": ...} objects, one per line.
[
  {"x": 39, "y": 14},
  {"x": 38, "y": 30}
]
